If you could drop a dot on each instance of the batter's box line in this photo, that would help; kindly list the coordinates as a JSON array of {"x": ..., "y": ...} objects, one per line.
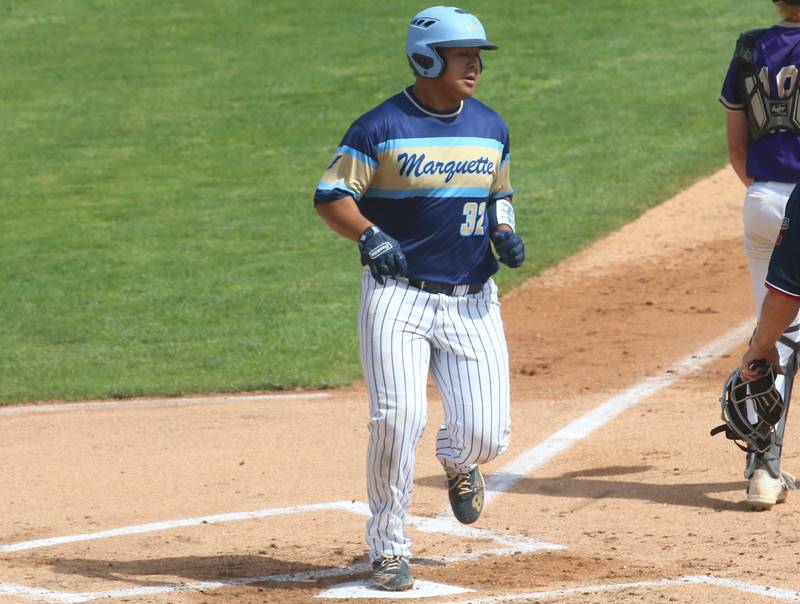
[{"x": 511, "y": 544}]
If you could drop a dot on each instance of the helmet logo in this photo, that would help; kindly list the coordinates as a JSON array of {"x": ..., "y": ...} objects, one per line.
[{"x": 423, "y": 23}]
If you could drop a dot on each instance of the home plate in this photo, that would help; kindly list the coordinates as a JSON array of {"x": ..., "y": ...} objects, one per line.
[{"x": 421, "y": 589}]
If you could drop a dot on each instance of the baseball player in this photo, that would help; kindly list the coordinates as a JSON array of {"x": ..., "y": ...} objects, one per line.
[
  {"x": 760, "y": 94},
  {"x": 421, "y": 183},
  {"x": 782, "y": 301}
]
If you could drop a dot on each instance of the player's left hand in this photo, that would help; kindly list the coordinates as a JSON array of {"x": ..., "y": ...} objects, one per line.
[{"x": 510, "y": 247}]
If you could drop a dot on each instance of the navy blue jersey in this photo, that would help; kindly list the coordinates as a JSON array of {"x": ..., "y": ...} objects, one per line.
[
  {"x": 784, "y": 265},
  {"x": 425, "y": 178},
  {"x": 776, "y": 55}
]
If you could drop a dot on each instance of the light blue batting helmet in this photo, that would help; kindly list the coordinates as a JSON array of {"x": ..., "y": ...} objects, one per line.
[{"x": 441, "y": 27}]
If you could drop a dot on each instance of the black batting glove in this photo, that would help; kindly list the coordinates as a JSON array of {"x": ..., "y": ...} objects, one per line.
[
  {"x": 510, "y": 248},
  {"x": 382, "y": 253}
]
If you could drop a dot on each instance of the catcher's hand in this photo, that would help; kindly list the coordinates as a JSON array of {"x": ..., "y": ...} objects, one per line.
[
  {"x": 756, "y": 362},
  {"x": 382, "y": 253},
  {"x": 510, "y": 247}
]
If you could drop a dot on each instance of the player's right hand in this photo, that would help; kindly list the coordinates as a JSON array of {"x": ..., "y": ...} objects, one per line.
[
  {"x": 382, "y": 253},
  {"x": 750, "y": 368}
]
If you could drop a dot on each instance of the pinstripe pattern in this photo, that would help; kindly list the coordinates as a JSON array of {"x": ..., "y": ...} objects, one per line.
[{"x": 405, "y": 332}]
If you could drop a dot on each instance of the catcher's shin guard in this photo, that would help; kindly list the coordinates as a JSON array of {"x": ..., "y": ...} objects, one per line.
[{"x": 770, "y": 459}]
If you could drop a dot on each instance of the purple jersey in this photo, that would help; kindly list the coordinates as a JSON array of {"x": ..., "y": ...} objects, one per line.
[
  {"x": 777, "y": 54},
  {"x": 784, "y": 265}
]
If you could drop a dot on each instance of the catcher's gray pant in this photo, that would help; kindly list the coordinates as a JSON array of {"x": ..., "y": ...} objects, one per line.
[
  {"x": 762, "y": 214},
  {"x": 404, "y": 333}
]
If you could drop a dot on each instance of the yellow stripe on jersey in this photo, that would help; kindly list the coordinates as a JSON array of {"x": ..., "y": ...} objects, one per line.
[
  {"x": 501, "y": 186},
  {"x": 349, "y": 171}
]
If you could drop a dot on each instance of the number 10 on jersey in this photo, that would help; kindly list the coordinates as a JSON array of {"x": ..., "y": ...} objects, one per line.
[{"x": 473, "y": 223}]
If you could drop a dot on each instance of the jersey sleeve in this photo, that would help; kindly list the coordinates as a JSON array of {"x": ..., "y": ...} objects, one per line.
[
  {"x": 731, "y": 97},
  {"x": 501, "y": 185},
  {"x": 784, "y": 265},
  {"x": 352, "y": 168}
]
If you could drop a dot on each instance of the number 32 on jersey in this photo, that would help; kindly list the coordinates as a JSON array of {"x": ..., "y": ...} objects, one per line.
[{"x": 473, "y": 214}]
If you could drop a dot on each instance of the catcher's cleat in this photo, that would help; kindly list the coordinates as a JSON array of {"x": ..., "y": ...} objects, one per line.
[
  {"x": 392, "y": 574},
  {"x": 764, "y": 491},
  {"x": 465, "y": 492}
]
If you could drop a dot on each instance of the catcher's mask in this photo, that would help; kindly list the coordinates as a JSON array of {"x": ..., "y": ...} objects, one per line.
[{"x": 766, "y": 403}]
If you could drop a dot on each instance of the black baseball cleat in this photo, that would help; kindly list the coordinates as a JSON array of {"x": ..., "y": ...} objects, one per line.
[
  {"x": 466, "y": 494},
  {"x": 392, "y": 574}
]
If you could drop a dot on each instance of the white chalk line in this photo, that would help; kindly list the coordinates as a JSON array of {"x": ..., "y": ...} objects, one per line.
[
  {"x": 786, "y": 595},
  {"x": 30, "y": 593},
  {"x": 152, "y": 527},
  {"x": 158, "y": 403},
  {"x": 453, "y": 527},
  {"x": 777, "y": 593}
]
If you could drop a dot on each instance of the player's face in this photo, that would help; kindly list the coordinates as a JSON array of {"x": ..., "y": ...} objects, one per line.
[{"x": 463, "y": 70}]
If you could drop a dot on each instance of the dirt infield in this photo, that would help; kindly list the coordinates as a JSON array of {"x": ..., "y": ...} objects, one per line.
[{"x": 611, "y": 491}]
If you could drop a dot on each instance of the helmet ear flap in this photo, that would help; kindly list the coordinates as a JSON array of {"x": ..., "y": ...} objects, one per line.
[{"x": 426, "y": 62}]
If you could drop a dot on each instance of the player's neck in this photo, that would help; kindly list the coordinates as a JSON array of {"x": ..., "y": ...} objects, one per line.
[{"x": 434, "y": 97}]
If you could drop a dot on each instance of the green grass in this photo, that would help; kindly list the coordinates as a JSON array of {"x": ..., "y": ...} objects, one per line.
[{"x": 157, "y": 234}]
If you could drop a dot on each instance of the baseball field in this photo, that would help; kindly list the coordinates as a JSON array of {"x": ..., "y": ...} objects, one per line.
[{"x": 183, "y": 419}]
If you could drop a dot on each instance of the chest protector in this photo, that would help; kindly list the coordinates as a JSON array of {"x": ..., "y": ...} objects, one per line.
[{"x": 765, "y": 113}]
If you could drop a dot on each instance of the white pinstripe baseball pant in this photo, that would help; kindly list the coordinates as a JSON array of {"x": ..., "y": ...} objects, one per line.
[{"x": 404, "y": 333}]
